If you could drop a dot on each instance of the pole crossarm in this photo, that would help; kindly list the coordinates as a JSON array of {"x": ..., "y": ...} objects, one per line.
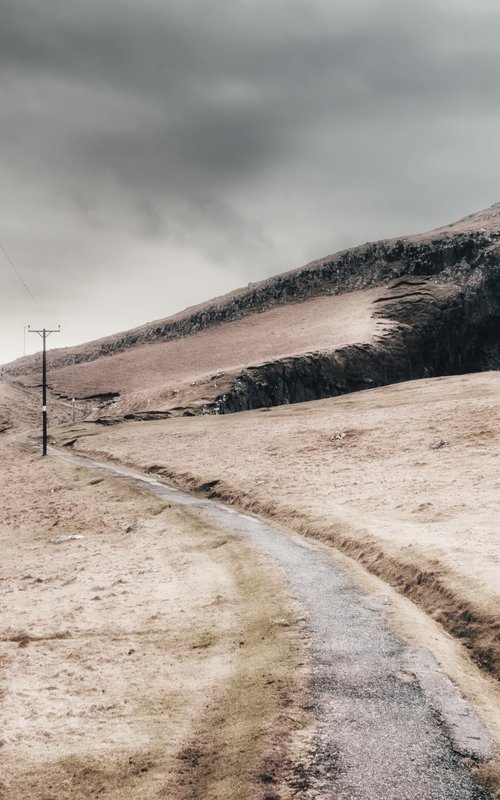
[{"x": 44, "y": 333}]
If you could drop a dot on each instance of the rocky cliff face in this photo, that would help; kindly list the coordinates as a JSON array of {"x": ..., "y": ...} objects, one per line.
[
  {"x": 445, "y": 295},
  {"x": 442, "y": 289},
  {"x": 444, "y": 329}
]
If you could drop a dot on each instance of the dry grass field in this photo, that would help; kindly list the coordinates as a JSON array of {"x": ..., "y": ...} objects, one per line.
[
  {"x": 152, "y": 655},
  {"x": 404, "y": 478},
  {"x": 137, "y": 659},
  {"x": 112, "y": 642}
]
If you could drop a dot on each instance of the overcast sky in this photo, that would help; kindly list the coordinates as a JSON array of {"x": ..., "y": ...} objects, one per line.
[{"x": 154, "y": 154}]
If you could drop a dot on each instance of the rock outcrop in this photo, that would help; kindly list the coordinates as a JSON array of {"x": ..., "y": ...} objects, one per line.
[{"x": 441, "y": 289}]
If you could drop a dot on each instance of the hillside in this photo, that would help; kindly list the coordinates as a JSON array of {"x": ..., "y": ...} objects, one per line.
[
  {"x": 376, "y": 314},
  {"x": 397, "y": 485}
]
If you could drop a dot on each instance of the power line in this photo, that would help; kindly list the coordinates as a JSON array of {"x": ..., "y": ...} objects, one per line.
[{"x": 20, "y": 277}]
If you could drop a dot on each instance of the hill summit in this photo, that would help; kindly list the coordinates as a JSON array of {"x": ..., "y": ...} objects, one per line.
[{"x": 383, "y": 312}]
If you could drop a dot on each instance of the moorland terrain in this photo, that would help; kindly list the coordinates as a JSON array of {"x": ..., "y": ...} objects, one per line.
[{"x": 402, "y": 478}]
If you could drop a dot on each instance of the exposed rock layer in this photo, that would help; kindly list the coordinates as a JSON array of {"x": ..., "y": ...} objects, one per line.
[{"x": 443, "y": 330}]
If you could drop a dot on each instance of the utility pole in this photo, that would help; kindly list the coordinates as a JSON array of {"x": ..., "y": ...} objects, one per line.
[
  {"x": 73, "y": 391},
  {"x": 43, "y": 334}
]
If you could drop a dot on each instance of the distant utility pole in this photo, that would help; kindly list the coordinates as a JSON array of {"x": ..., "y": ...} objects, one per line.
[
  {"x": 43, "y": 334},
  {"x": 73, "y": 391}
]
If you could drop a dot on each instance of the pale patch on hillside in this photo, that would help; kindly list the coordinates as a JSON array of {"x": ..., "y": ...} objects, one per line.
[{"x": 168, "y": 374}]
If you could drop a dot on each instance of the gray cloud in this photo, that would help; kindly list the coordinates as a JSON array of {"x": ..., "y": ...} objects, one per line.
[{"x": 235, "y": 138}]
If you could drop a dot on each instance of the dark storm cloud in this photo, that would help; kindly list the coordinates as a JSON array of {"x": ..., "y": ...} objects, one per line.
[
  {"x": 250, "y": 133},
  {"x": 220, "y": 90}
]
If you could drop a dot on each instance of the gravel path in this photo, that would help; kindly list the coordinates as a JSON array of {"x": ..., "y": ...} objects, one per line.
[{"x": 390, "y": 725}]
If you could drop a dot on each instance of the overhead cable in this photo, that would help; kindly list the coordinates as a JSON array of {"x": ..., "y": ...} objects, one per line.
[{"x": 20, "y": 277}]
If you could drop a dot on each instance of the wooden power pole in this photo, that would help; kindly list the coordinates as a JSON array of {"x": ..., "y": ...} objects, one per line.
[{"x": 44, "y": 333}]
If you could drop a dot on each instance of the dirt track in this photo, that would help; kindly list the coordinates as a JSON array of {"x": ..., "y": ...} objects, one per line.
[
  {"x": 387, "y": 724},
  {"x": 403, "y": 478},
  {"x": 244, "y": 457}
]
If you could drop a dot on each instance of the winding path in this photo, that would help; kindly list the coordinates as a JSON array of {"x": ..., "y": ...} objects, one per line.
[{"x": 390, "y": 725}]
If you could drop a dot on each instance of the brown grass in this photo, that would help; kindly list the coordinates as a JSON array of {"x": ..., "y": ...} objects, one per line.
[
  {"x": 125, "y": 653},
  {"x": 404, "y": 479},
  {"x": 363, "y": 473}
]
